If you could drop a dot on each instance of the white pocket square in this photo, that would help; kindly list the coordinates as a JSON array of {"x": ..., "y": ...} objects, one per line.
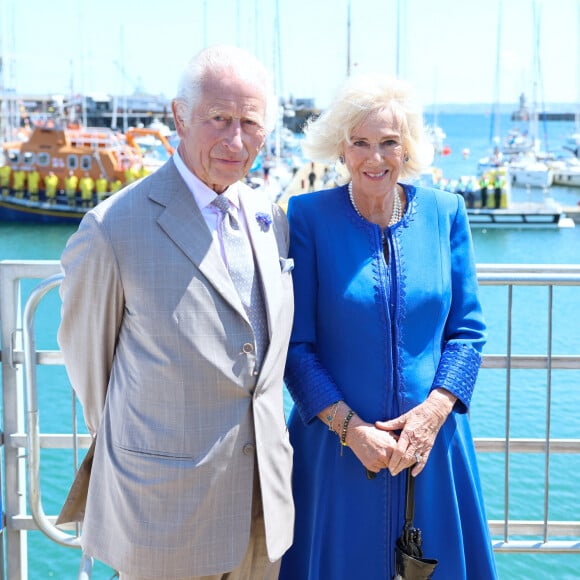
[{"x": 287, "y": 264}]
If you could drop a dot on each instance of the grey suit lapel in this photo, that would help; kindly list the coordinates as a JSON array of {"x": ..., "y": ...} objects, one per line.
[
  {"x": 265, "y": 249},
  {"x": 183, "y": 222}
]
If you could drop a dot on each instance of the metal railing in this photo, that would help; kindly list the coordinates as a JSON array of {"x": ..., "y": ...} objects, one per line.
[
  {"x": 22, "y": 439},
  {"x": 540, "y": 532}
]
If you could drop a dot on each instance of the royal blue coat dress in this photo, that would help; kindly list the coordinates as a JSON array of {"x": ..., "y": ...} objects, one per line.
[{"x": 381, "y": 337}]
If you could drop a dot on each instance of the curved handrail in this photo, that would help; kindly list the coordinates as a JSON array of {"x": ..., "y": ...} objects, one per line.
[{"x": 32, "y": 435}]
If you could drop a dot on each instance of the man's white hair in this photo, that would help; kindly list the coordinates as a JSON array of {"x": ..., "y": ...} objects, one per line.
[{"x": 227, "y": 60}]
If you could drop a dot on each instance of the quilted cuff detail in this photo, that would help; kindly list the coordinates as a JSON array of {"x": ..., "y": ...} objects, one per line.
[
  {"x": 311, "y": 387},
  {"x": 457, "y": 373}
]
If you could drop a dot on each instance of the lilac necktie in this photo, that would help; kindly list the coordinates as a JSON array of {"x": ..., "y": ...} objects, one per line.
[{"x": 241, "y": 267}]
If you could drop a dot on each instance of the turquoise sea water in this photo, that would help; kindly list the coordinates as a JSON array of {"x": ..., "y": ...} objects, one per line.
[{"x": 46, "y": 560}]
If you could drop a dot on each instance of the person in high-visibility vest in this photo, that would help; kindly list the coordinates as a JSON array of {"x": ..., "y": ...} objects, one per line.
[
  {"x": 5, "y": 171},
  {"x": 131, "y": 174},
  {"x": 50, "y": 187},
  {"x": 33, "y": 185},
  {"x": 87, "y": 186},
  {"x": 71, "y": 182},
  {"x": 19, "y": 182},
  {"x": 101, "y": 187},
  {"x": 116, "y": 185},
  {"x": 144, "y": 171},
  {"x": 497, "y": 187},
  {"x": 483, "y": 188}
]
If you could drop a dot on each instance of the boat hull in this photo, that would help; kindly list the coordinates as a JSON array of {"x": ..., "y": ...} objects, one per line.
[
  {"x": 22, "y": 210},
  {"x": 567, "y": 178},
  {"x": 517, "y": 218},
  {"x": 537, "y": 175}
]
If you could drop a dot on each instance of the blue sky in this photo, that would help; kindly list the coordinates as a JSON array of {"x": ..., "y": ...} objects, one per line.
[{"x": 448, "y": 48}]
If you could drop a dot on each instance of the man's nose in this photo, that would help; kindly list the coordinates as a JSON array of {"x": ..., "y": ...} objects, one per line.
[{"x": 233, "y": 138}]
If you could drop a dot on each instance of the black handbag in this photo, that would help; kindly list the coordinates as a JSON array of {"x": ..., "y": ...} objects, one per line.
[{"x": 409, "y": 561}]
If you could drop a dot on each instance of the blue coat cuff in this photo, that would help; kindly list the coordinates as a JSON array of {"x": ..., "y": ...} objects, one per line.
[
  {"x": 457, "y": 373},
  {"x": 310, "y": 385}
]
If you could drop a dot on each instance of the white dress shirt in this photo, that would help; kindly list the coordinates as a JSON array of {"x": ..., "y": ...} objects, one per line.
[{"x": 204, "y": 195}]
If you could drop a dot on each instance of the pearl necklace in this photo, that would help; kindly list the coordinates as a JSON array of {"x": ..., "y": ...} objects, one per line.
[{"x": 397, "y": 206}]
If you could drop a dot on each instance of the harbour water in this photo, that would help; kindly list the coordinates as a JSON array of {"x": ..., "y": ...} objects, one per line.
[{"x": 544, "y": 246}]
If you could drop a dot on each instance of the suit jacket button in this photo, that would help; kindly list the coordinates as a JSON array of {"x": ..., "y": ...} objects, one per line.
[
  {"x": 247, "y": 348},
  {"x": 248, "y": 449}
]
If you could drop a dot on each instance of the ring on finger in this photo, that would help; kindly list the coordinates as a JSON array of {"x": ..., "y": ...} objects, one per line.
[{"x": 418, "y": 457}]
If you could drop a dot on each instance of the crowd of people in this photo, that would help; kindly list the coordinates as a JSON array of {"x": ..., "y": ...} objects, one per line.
[
  {"x": 489, "y": 191},
  {"x": 83, "y": 190},
  {"x": 190, "y": 299}
]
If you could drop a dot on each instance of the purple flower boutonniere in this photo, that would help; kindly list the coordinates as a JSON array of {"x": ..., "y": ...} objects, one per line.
[{"x": 264, "y": 220}]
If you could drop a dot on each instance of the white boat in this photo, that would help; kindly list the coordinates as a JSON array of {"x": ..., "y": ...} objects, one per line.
[
  {"x": 517, "y": 141},
  {"x": 573, "y": 143},
  {"x": 566, "y": 172},
  {"x": 529, "y": 172},
  {"x": 525, "y": 169},
  {"x": 521, "y": 156},
  {"x": 436, "y": 136}
]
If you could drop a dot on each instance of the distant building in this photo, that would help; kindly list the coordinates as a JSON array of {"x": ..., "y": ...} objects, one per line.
[
  {"x": 94, "y": 109},
  {"x": 523, "y": 113}
]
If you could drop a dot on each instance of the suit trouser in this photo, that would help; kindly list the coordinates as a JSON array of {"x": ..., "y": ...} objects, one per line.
[{"x": 255, "y": 565}]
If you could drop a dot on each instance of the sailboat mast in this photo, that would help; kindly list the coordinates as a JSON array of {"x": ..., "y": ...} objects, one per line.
[
  {"x": 495, "y": 128},
  {"x": 3, "y": 109},
  {"x": 534, "y": 121},
  {"x": 577, "y": 116},
  {"x": 9, "y": 117},
  {"x": 398, "y": 42},
  {"x": 204, "y": 23},
  {"x": 348, "y": 38},
  {"x": 278, "y": 77}
]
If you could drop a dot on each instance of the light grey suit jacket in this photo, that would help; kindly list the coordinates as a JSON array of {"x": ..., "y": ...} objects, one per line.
[{"x": 153, "y": 336}]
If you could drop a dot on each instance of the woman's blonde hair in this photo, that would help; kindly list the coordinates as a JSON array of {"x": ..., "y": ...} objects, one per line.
[{"x": 359, "y": 96}]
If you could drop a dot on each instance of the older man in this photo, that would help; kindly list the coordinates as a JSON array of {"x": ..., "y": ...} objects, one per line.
[{"x": 177, "y": 311}]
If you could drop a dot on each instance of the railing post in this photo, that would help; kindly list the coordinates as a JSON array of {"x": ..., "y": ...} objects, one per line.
[
  {"x": 548, "y": 410},
  {"x": 33, "y": 431},
  {"x": 15, "y": 541},
  {"x": 3, "y": 520},
  {"x": 508, "y": 378}
]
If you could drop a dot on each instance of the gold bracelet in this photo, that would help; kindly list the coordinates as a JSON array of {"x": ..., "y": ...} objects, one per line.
[
  {"x": 332, "y": 416},
  {"x": 345, "y": 427}
]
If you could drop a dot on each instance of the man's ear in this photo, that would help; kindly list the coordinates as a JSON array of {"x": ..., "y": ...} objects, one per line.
[{"x": 178, "y": 110}]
